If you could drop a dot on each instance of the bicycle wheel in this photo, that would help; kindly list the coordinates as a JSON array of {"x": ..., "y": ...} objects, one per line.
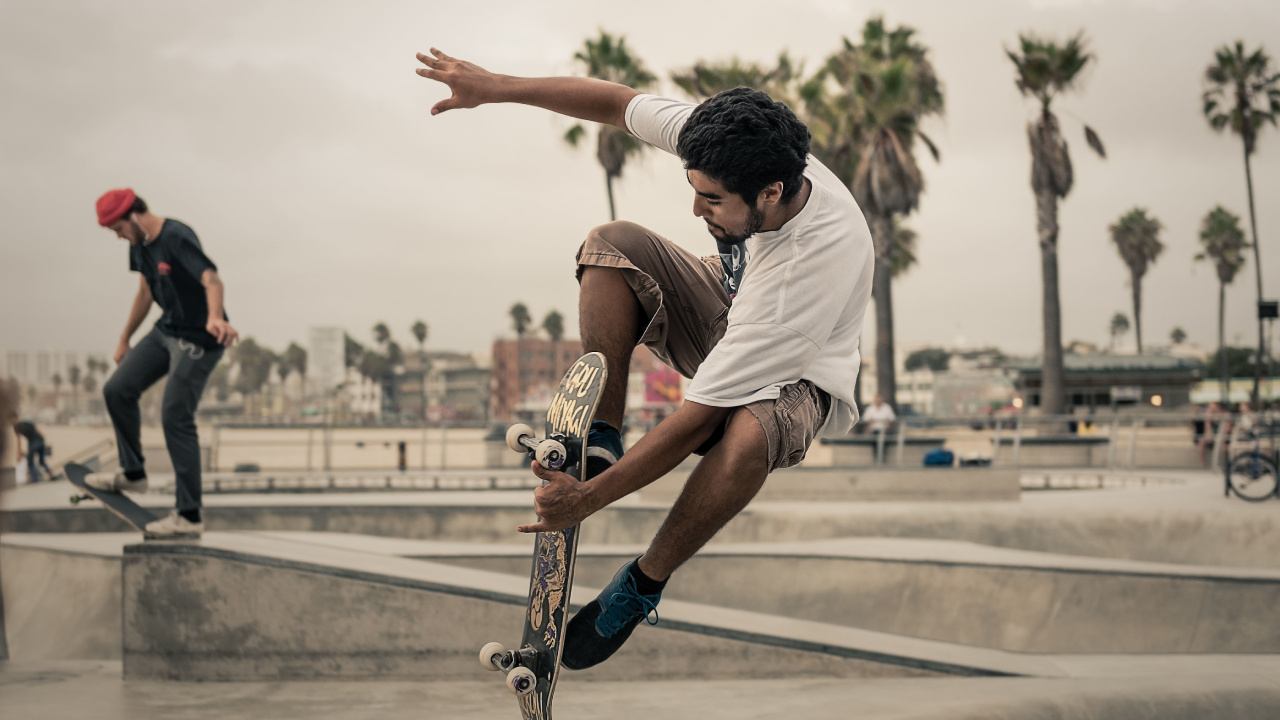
[{"x": 1253, "y": 476}]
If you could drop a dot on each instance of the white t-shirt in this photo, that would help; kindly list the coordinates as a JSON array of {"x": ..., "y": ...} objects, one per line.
[
  {"x": 879, "y": 417},
  {"x": 798, "y": 311}
]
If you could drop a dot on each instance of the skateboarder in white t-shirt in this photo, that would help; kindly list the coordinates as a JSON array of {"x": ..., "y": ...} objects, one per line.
[{"x": 767, "y": 329}]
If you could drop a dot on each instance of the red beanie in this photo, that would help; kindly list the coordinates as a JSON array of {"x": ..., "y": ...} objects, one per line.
[{"x": 113, "y": 205}]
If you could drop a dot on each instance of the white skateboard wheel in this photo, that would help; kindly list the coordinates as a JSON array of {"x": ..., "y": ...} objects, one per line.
[
  {"x": 521, "y": 681},
  {"x": 550, "y": 454},
  {"x": 491, "y": 654},
  {"x": 515, "y": 432}
]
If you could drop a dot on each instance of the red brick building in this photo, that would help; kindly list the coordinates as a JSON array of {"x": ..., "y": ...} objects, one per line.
[{"x": 520, "y": 366}]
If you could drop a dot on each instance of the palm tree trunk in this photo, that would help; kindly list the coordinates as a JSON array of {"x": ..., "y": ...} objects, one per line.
[
  {"x": 882, "y": 292},
  {"x": 1222, "y": 348},
  {"x": 886, "y": 376},
  {"x": 1256, "y": 396},
  {"x": 1137, "y": 310},
  {"x": 608, "y": 184},
  {"x": 1052, "y": 388}
]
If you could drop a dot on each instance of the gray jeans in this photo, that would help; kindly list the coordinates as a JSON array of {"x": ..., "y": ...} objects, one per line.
[{"x": 188, "y": 366}]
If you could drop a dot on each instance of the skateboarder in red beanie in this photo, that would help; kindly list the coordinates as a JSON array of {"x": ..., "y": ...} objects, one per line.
[{"x": 185, "y": 344}]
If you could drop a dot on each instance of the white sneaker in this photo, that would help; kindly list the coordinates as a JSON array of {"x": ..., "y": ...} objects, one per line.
[
  {"x": 173, "y": 526},
  {"x": 115, "y": 482}
]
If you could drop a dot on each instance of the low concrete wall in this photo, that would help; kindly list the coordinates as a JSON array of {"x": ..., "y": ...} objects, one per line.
[
  {"x": 60, "y": 605},
  {"x": 860, "y": 450},
  {"x": 195, "y": 612},
  {"x": 1021, "y": 609},
  {"x": 903, "y": 484}
]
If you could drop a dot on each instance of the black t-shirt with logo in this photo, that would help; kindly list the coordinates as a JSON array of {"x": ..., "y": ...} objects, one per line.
[{"x": 173, "y": 264}]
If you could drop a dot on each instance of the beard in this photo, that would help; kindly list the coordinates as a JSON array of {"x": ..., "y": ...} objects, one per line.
[{"x": 755, "y": 220}]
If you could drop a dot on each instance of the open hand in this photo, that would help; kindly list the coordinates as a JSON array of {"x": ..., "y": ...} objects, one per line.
[
  {"x": 471, "y": 84},
  {"x": 562, "y": 502}
]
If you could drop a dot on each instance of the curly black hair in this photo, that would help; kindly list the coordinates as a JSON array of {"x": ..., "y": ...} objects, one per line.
[{"x": 746, "y": 141}]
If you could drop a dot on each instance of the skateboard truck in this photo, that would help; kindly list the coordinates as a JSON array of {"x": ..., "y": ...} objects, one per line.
[
  {"x": 75, "y": 499},
  {"x": 549, "y": 453},
  {"x": 521, "y": 680}
]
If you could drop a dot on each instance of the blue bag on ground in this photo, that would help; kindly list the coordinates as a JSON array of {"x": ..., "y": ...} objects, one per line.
[{"x": 939, "y": 457}]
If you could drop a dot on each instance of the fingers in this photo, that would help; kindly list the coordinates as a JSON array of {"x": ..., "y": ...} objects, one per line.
[
  {"x": 440, "y": 54},
  {"x": 535, "y": 528},
  {"x": 444, "y": 105}
]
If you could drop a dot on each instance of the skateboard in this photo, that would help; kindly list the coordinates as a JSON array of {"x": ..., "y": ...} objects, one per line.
[
  {"x": 532, "y": 670},
  {"x": 118, "y": 503}
]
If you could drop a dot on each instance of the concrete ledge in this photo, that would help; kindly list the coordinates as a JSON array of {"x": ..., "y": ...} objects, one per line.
[
  {"x": 943, "y": 590},
  {"x": 914, "y": 484},
  {"x": 254, "y": 607},
  {"x": 62, "y": 599}
]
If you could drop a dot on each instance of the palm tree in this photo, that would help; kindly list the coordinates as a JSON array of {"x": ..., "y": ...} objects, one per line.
[
  {"x": 608, "y": 58},
  {"x": 1224, "y": 246},
  {"x": 1119, "y": 326},
  {"x": 520, "y": 318},
  {"x": 73, "y": 377},
  {"x": 1244, "y": 95},
  {"x": 57, "y": 384},
  {"x": 419, "y": 331},
  {"x": 381, "y": 333},
  {"x": 705, "y": 79},
  {"x": 1136, "y": 236},
  {"x": 1044, "y": 71},
  {"x": 553, "y": 323},
  {"x": 866, "y": 103},
  {"x": 1178, "y": 335},
  {"x": 295, "y": 358}
]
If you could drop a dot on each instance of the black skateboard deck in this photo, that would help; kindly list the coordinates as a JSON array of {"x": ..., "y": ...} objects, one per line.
[
  {"x": 118, "y": 503},
  {"x": 532, "y": 670}
]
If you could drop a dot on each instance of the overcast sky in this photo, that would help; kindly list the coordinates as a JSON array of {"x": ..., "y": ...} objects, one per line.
[{"x": 296, "y": 141}]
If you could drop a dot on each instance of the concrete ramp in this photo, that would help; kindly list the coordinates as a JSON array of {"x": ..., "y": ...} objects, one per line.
[{"x": 250, "y": 606}]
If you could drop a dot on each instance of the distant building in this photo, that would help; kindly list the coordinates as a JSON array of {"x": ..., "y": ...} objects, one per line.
[
  {"x": 524, "y": 367},
  {"x": 1115, "y": 381},
  {"x": 36, "y": 368},
  {"x": 326, "y": 363}
]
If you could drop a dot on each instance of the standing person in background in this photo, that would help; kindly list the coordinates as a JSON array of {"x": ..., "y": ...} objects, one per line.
[
  {"x": 37, "y": 450},
  {"x": 879, "y": 416},
  {"x": 185, "y": 344}
]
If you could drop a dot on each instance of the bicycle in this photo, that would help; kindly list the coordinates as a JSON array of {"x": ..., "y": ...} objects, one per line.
[{"x": 1251, "y": 474}]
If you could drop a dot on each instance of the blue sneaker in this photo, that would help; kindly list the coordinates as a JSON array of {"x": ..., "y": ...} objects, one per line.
[
  {"x": 600, "y": 628},
  {"x": 604, "y": 447}
]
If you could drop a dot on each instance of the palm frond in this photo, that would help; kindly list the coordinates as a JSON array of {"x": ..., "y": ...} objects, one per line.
[{"x": 1094, "y": 141}]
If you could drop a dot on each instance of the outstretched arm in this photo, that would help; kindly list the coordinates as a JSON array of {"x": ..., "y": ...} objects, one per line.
[{"x": 472, "y": 86}]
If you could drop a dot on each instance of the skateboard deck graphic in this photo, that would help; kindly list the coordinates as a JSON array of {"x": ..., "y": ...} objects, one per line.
[
  {"x": 534, "y": 668},
  {"x": 118, "y": 503}
]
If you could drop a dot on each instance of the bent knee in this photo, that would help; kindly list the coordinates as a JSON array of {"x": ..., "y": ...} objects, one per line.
[{"x": 622, "y": 236}]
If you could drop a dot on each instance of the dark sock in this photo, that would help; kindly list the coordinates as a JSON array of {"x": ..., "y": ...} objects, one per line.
[
  {"x": 645, "y": 584},
  {"x": 134, "y": 475},
  {"x": 190, "y": 515}
]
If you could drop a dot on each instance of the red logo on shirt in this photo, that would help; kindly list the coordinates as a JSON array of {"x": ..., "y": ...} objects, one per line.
[{"x": 163, "y": 267}]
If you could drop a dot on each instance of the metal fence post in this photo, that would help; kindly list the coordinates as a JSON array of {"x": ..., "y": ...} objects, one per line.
[
  {"x": 995, "y": 442},
  {"x": 444, "y": 445},
  {"x": 1111, "y": 444},
  {"x": 1133, "y": 443},
  {"x": 902, "y": 440},
  {"x": 880, "y": 446},
  {"x": 1017, "y": 439},
  {"x": 424, "y": 444}
]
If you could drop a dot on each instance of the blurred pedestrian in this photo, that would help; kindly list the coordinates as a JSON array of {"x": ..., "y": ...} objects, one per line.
[{"x": 37, "y": 450}]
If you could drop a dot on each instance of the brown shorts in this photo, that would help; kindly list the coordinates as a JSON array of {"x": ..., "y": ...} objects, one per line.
[{"x": 688, "y": 312}]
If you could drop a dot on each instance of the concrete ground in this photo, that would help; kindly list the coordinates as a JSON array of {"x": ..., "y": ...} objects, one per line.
[
  {"x": 1189, "y": 523},
  {"x": 36, "y": 691}
]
